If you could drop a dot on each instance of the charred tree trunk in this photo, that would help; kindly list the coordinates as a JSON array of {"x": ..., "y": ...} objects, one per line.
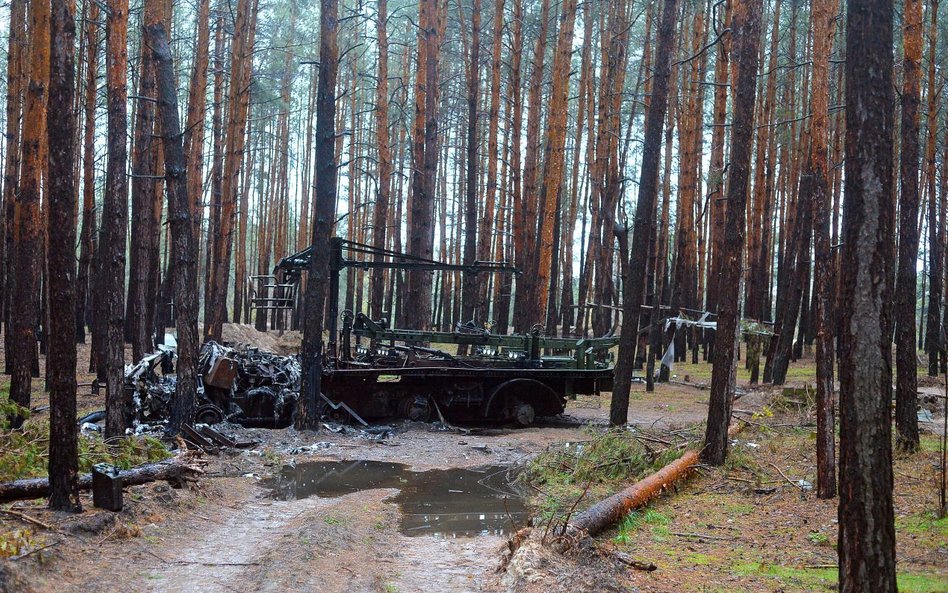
[
  {"x": 28, "y": 229},
  {"x": 184, "y": 246},
  {"x": 380, "y": 223},
  {"x": 936, "y": 218},
  {"x": 866, "y": 519},
  {"x": 114, "y": 231},
  {"x": 644, "y": 221},
  {"x": 87, "y": 233},
  {"x": 317, "y": 285},
  {"x": 61, "y": 363},
  {"x": 745, "y": 24},
  {"x": 906, "y": 414},
  {"x": 473, "y": 67},
  {"x": 817, "y": 168}
]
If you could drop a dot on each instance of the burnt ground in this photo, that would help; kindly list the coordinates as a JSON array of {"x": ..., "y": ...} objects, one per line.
[{"x": 229, "y": 533}]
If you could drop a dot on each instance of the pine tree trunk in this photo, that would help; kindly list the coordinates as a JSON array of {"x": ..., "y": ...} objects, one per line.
[
  {"x": 86, "y": 245},
  {"x": 17, "y": 79},
  {"x": 473, "y": 68},
  {"x": 325, "y": 188},
  {"x": 237, "y": 104},
  {"x": 143, "y": 194},
  {"x": 28, "y": 231},
  {"x": 61, "y": 125},
  {"x": 817, "y": 168},
  {"x": 644, "y": 221},
  {"x": 866, "y": 519},
  {"x": 114, "y": 231},
  {"x": 380, "y": 222},
  {"x": 184, "y": 245},
  {"x": 526, "y": 223},
  {"x": 553, "y": 161},
  {"x": 906, "y": 415},
  {"x": 936, "y": 217},
  {"x": 745, "y": 24}
]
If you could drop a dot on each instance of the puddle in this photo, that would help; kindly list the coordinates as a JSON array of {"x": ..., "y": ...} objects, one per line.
[{"x": 447, "y": 503}]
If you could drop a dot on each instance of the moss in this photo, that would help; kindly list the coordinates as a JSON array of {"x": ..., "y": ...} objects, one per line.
[
  {"x": 812, "y": 579},
  {"x": 24, "y": 453}
]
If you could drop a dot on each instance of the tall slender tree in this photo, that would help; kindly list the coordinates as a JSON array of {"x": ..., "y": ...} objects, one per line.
[
  {"x": 325, "y": 193},
  {"x": 745, "y": 24},
  {"x": 644, "y": 221},
  {"x": 61, "y": 128},
  {"x": 28, "y": 227},
  {"x": 906, "y": 285}
]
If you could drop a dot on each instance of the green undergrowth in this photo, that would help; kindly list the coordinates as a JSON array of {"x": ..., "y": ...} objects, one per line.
[
  {"x": 826, "y": 579},
  {"x": 24, "y": 452},
  {"x": 571, "y": 476}
]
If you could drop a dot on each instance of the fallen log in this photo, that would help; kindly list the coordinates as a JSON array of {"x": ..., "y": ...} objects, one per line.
[
  {"x": 611, "y": 510},
  {"x": 175, "y": 471}
]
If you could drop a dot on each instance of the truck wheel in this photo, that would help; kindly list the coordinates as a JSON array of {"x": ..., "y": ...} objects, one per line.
[{"x": 524, "y": 415}]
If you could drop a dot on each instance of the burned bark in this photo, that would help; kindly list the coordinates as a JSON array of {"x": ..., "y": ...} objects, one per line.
[
  {"x": 111, "y": 253},
  {"x": 183, "y": 244},
  {"x": 745, "y": 24},
  {"x": 317, "y": 285},
  {"x": 61, "y": 362},
  {"x": 866, "y": 519},
  {"x": 644, "y": 221},
  {"x": 28, "y": 229},
  {"x": 906, "y": 285}
]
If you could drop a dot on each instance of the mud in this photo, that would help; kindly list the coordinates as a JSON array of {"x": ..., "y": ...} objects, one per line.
[{"x": 449, "y": 503}]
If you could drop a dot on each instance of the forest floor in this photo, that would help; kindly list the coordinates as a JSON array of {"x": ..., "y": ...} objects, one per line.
[{"x": 748, "y": 526}]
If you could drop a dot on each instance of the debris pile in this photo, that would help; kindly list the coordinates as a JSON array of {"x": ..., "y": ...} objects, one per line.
[
  {"x": 248, "y": 386},
  {"x": 263, "y": 387}
]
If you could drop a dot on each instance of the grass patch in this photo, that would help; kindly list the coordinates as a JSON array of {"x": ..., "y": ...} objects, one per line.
[
  {"x": 637, "y": 519},
  {"x": 815, "y": 579},
  {"x": 602, "y": 464},
  {"x": 24, "y": 453}
]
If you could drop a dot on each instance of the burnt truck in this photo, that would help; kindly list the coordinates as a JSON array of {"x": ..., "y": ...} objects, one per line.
[{"x": 369, "y": 370}]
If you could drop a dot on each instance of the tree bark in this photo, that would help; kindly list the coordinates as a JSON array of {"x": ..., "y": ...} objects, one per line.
[
  {"x": 745, "y": 24},
  {"x": 28, "y": 230},
  {"x": 644, "y": 221},
  {"x": 184, "y": 246},
  {"x": 379, "y": 225},
  {"x": 61, "y": 362},
  {"x": 866, "y": 519},
  {"x": 317, "y": 285},
  {"x": 473, "y": 67},
  {"x": 114, "y": 230},
  {"x": 86, "y": 245},
  {"x": 554, "y": 158},
  {"x": 817, "y": 167}
]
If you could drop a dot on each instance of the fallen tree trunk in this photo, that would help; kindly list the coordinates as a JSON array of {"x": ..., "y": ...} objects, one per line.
[
  {"x": 611, "y": 510},
  {"x": 176, "y": 471}
]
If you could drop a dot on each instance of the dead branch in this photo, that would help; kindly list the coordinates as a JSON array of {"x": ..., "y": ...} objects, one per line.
[{"x": 177, "y": 471}]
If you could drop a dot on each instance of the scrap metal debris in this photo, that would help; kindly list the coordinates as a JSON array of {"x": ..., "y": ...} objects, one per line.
[{"x": 246, "y": 386}]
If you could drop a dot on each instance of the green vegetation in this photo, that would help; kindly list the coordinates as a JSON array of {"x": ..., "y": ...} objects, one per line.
[
  {"x": 600, "y": 465},
  {"x": 816, "y": 579},
  {"x": 658, "y": 523},
  {"x": 24, "y": 452}
]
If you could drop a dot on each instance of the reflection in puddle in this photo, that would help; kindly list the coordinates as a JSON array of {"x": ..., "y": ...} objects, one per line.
[{"x": 449, "y": 503}]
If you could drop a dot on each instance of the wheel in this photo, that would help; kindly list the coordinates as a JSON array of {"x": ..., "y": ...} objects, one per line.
[
  {"x": 208, "y": 414},
  {"x": 416, "y": 409},
  {"x": 523, "y": 414}
]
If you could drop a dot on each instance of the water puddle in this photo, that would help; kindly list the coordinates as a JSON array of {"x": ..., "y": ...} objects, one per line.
[{"x": 447, "y": 503}]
